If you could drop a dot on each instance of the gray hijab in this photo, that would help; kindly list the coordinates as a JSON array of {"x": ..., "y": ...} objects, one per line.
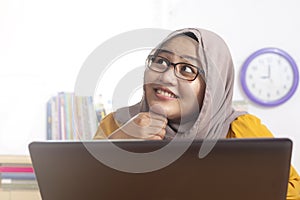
[{"x": 217, "y": 113}]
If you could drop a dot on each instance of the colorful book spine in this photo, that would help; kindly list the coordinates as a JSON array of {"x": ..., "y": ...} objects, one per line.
[
  {"x": 16, "y": 169},
  {"x": 54, "y": 116},
  {"x": 84, "y": 117},
  {"x": 58, "y": 137},
  {"x": 67, "y": 116},
  {"x": 18, "y": 176},
  {"x": 49, "y": 120},
  {"x": 13, "y": 184},
  {"x": 78, "y": 119},
  {"x": 92, "y": 117},
  {"x": 63, "y": 132}
]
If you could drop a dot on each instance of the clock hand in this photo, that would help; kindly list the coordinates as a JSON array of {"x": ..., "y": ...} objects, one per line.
[{"x": 269, "y": 73}]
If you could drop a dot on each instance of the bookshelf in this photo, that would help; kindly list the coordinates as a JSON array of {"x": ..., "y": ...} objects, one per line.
[{"x": 14, "y": 187}]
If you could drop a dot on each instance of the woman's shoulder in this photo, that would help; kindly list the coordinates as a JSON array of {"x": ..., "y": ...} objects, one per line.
[
  {"x": 106, "y": 127},
  {"x": 109, "y": 121},
  {"x": 248, "y": 126}
]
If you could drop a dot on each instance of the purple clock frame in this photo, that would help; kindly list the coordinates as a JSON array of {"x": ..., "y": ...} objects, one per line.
[{"x": 295, "y": 78}]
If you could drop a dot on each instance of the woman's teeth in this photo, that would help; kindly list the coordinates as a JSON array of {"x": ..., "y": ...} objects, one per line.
[{"x": 165, "y": 93}]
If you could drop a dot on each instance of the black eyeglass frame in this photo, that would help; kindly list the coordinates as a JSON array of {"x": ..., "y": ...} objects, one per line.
[{"x": 150, "y": 57}]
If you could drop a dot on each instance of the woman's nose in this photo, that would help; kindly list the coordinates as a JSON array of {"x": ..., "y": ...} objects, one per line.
[{"x": 168, "y": 76}]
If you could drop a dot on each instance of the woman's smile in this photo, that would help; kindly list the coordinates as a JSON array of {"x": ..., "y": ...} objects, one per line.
[{"x": 164, "y": 94}]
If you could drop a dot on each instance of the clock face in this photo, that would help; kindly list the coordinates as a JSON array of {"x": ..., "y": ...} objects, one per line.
[{"x": 269, "y": 77}]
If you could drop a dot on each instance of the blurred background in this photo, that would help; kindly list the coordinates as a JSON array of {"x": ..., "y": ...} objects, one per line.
[{"x": 43, "y": 45}]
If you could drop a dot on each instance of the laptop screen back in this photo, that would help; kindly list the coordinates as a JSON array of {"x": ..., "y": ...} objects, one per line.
[{"x": 234, "y": 169}]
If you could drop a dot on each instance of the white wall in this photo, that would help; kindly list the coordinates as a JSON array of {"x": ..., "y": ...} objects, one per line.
[{"x": 44, "y": 43}]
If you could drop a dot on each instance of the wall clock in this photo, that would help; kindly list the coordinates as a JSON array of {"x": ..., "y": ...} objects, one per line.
[{"x": 269, "y": 77}]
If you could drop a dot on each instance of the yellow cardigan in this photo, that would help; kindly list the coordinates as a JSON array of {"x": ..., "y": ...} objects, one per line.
[{"x": 245, "y": 126}]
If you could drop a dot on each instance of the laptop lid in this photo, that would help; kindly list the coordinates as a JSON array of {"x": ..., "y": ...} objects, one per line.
[{"x": 234, "y": 169}]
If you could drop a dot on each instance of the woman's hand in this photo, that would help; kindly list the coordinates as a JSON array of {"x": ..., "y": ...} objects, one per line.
[{"x": 145, "y": 125}]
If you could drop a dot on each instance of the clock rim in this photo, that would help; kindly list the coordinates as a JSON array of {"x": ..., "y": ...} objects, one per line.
[{"x": 293, "y": 65}]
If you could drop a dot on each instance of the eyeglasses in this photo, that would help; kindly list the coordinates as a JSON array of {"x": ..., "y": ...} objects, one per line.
[{"x": 182, "y": 70}]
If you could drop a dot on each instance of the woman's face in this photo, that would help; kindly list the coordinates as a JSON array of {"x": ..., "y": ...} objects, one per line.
[{"x": 180, "y": 100}]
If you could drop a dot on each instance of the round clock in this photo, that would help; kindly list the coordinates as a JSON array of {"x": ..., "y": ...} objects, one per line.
[{"x": 269, "y": 77}]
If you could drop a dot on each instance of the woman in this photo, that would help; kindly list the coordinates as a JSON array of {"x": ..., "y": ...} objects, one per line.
[{"x": 188, "y": 88}]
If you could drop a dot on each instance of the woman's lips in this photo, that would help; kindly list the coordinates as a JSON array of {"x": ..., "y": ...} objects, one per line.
[{"x": 165, "y": 93}]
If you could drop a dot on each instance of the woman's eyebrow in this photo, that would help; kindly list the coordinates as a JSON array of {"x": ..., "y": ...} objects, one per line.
[{"x": 182, "y": 56}]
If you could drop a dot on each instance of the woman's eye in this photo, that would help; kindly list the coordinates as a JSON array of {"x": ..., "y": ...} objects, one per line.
[
  {"x": 161, "y": 61},
  {"x": 187, "y": 69}
]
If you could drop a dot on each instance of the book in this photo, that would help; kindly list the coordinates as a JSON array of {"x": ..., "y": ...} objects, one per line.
[
  {"x": 55, "y": 131},
  {"x": 92, "y": 117},
  {"x": 16, "y": 169},
  {"x": 62, "y": 117},
  {"x": 12, "y": 184},
  {"x": 18, "y": 176},
  {"x": 49, "y": 120}
]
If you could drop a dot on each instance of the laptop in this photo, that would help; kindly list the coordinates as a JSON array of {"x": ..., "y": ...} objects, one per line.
[{"x": 233, "y": 169}]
